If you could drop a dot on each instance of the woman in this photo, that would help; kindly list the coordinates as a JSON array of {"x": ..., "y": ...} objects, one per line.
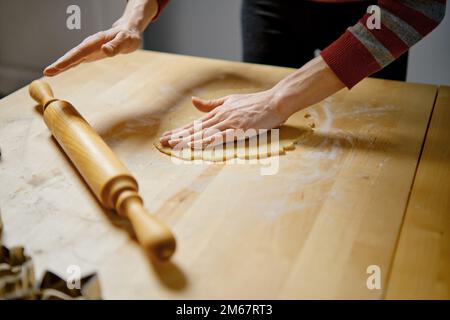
[{"x": 282, "y": 33}]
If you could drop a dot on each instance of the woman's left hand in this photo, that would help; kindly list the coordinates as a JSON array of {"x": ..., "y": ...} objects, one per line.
[{"x": 227, "y": 117}]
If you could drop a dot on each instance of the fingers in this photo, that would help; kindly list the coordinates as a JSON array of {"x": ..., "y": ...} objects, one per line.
[
  {"x": 77, "y": 54},
  {"x": 186, "y": 130},
  {"x": 207, "y": 105},
  {"x": 113, "y": 47},
  {"x": 195, "y": 137},
  {"x": 202, "y": 119},
  {"x": 173, "y": 137},
  {"x": 197, "y": 131},
  {"x": 121, "y": 43},
  {"x": 218, "y": 134},
  {"x": 215, "y": 139},
  {"x": 53, "y": 71}
]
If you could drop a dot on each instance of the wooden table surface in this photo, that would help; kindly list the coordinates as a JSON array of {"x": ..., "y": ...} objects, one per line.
[
  {"x": 335, "y": 207},
  {"x": 421, "y": 268}
]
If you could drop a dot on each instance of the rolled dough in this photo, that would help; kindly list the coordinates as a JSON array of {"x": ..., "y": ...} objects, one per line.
[{"x": 257, "y": 147}]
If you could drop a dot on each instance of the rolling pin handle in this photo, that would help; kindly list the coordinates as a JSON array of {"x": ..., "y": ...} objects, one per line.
[
  {"x": 41, "y": 92},
  {"x": 153, "y": 235}
]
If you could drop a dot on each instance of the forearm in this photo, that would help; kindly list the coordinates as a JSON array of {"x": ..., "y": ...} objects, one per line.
[
  {"x": 139, "y": 13},
  {"x": 310, "y": 84}
]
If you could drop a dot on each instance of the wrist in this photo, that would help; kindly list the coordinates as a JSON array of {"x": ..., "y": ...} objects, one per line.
[
  {"x": 130, "y": 24},
  {"x": 287, "y": 99},
  {"x": 132, "y": 27},
  {"x": 309, "y": 85},
  {"x": 138, "y": 15}
]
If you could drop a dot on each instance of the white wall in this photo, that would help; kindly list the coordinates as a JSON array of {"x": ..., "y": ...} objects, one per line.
[
  {"x": 429, "y": 60},
  {"x": 34, "y": 33},
  {"x": 207, "y": 28}
]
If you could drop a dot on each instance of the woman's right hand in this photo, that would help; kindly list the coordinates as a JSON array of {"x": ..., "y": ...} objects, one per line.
[{"x": 121, "y": 38}]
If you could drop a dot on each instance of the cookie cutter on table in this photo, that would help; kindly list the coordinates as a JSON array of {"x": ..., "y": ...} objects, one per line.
[
  {"x": 17, "y": 279},
  {"x": 16, "y": 274}
]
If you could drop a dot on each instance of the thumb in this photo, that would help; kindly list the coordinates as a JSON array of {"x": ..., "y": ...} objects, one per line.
[
  {"x": 113, "y": 47},
  {"x": 207, "y": 105}
]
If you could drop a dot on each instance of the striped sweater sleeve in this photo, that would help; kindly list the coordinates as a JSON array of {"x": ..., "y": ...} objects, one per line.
[{"x": 360, "y": 51}]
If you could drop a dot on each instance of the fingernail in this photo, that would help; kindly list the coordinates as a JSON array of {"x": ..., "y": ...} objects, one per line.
[
  {"x": 107, "y": 48},
  {"x": 51, "y": 69},
  {"x": 49, "y": 72}
]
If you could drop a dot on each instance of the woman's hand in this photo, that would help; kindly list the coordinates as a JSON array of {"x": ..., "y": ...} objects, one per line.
[
  {"x": 121, "y": 38},
  {"x": 225, "y": 117}
]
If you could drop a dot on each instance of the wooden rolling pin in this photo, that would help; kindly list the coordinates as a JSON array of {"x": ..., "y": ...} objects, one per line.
[{"x": 110, "y": 181}]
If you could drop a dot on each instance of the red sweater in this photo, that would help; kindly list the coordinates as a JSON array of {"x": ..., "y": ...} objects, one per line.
[{"x": 361, "y": 50}]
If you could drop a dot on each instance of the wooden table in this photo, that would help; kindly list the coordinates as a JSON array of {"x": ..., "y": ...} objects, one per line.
[{"x": 334, "y": 209}]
